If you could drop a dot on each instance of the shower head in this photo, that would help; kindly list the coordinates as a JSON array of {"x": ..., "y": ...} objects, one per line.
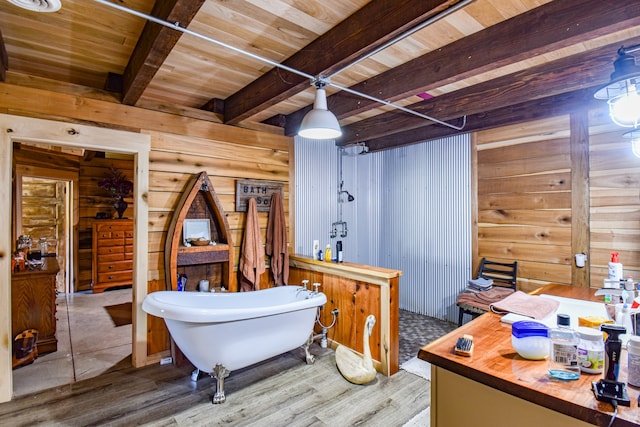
[{"x": 350, "y": 198}]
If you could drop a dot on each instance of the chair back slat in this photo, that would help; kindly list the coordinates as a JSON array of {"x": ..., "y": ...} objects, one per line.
[{"x": 503, "y": 274}]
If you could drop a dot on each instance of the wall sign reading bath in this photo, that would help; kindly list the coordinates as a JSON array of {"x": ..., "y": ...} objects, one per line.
[{"x": 260, "y": 190}]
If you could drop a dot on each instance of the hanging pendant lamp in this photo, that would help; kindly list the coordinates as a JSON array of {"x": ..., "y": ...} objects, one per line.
[
  {"x": 320, "y": 123},
  {"x": 621, "y": 92}
]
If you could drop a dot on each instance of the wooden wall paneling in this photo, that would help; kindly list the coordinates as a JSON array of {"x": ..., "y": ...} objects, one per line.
[
  {"x": 524, "y": 199},
  {"x": 580, "y": 232},
  {"x": 614, "y": 199},
  {"x": 158, "y": 335}
]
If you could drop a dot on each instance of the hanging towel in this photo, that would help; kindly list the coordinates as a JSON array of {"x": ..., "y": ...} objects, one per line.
[
  {"x": 277, "y": 247},
  {"x": 252, "y": 257}
]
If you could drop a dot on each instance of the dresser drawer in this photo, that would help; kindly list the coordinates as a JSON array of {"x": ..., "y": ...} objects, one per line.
[
  {"x": 119, "y": 276},
  {"x": 109, "y": 250},
  {"x": 105, "y": 267},
  {"x": 118, "y": 256},
  {"x": 110, "y": 242},
  {"x": 125, "y": 226}
]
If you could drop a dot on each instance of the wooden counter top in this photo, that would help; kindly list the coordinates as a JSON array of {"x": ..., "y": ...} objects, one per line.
[
  {"x": 366, "y": 273},
  {"x": 50, "y": 266},
  {"x": 495, "y": 363}
]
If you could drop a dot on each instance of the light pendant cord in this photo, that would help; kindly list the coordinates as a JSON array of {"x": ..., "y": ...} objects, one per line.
[{"x": 314, "y": 79}]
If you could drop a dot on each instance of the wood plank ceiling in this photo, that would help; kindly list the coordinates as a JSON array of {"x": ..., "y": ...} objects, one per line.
[{"x": 493, "y": 61}]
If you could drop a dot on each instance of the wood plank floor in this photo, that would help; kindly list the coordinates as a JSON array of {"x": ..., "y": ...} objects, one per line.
[{"x": 282, "y": 391}]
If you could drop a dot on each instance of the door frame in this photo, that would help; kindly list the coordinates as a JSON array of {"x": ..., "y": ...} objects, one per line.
[
  {"x": 71, "y": 210},
  {"x": 26, "y": 129}
]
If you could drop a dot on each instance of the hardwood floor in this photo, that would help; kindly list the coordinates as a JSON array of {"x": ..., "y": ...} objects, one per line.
[{"x": 282, "y": 391}]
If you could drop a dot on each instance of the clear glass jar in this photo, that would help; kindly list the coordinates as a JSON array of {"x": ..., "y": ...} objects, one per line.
[
  {"x": 591, "y": 350},
  {"x": 563, "y": 351}
]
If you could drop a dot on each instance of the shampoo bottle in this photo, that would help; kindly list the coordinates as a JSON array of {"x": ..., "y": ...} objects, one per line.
[
  {"x": 327, "y": 253},
  {"x": 339, "y": 250},
  {"x": 615, "y": 267}
]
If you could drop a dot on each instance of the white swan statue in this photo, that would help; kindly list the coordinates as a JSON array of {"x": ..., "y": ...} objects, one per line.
[{"x": 357, "y": 368}]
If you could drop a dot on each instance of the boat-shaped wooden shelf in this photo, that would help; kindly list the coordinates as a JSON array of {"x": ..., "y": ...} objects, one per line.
[{"x": 199, "y": 215}]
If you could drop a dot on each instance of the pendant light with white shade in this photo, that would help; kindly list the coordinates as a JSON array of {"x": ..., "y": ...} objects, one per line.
[{"x": 320, "y": 123}]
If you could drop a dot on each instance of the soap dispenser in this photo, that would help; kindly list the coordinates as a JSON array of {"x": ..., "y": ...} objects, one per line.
[{"x": 615, "y": 267}]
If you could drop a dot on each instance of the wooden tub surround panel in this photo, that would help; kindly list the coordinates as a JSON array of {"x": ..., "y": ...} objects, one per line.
[{"x": 356, "y": 291}]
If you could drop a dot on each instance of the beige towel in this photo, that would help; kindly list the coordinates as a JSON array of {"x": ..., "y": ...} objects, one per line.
[
  {"x": 252, "y": 257},
  {"x": 277, "y": 247},
  {"x": 483, "y": 300},
  {"x": 525, "y": 305}
]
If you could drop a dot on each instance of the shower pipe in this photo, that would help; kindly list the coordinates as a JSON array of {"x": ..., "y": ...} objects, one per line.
[{"x": 322, "y": 79}]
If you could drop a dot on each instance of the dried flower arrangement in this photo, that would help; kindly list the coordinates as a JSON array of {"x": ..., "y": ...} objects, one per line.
[{"x": 116, "y": 183}]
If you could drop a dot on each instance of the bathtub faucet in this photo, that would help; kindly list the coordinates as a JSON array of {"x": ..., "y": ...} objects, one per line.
[{"x": 315, "y": 288}]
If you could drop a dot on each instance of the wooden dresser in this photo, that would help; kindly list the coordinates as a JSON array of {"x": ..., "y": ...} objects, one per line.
[
  {"x": 112, "y": 253},
  {"x": 33, "y": 304}
]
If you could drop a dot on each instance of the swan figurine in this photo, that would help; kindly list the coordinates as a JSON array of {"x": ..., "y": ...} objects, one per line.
[{"x": 356, "y": 368}]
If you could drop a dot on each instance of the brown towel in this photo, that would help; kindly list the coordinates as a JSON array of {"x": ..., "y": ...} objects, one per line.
[
  {"x": 277, "y": 247},
  {"x": 526, "y": 305},
  {"x": 252, "y": 257},
  {"x": 484, "y": 299}
]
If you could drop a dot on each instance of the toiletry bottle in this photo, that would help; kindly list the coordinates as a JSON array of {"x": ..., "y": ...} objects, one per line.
[
  {"x": 563, "y": 354},
  {"x": 327, "y": 253},
  {"x": 339, "y": 250},
  {"x": 612, "y": 350},
  {"x": 633, "y": 366},
  {"x": 615, "y": 267},
  {"x": 590, "y": 350}
]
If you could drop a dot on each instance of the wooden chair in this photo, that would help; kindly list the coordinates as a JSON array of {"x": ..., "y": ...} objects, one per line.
[
  {"x": 25, "y": 349},
  {"x": 503, "y": 274}
]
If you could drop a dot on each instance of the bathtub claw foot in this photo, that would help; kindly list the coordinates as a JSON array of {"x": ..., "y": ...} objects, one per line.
[
  {"x": 310, "y": 358},
  {"x": 195, "y": 374},
  {"x": 219, "y": 373}
]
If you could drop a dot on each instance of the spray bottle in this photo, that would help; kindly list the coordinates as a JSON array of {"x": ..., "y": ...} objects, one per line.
[{"x": 612, "y": 349}]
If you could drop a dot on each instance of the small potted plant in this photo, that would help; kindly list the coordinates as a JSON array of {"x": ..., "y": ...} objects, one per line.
[{"x": 117, "y": 184}]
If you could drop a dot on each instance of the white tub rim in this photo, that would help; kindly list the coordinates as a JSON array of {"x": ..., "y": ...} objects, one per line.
[{"x": 172, "y": 305}]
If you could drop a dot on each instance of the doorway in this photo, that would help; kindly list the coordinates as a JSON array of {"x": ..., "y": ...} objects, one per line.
[
  {"x": 44, "y": 212},
  {"x": 17, "y": 128}
]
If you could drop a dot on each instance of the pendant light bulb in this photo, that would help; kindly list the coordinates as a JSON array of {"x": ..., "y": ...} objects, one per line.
[{"x": 320, "y": 123}]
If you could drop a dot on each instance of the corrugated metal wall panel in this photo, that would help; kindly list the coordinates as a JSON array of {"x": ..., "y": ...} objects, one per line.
[{"x": 411, "y": 212}]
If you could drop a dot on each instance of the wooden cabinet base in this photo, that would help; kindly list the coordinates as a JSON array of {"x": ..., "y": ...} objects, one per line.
[{"x": 33, "y": 304}]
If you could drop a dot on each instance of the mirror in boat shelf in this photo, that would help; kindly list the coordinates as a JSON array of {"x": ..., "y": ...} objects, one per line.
[{"x": 196, "y": 232}]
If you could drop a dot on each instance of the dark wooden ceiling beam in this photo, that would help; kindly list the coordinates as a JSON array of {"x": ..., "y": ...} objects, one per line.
[
  {"x": 536, "y": 109},
  {"x": 154, "y": 45},
  {"x": 541, "y": 30},
  {"x": 563, "y": 75},
  {"x": 368, "y": 28}
]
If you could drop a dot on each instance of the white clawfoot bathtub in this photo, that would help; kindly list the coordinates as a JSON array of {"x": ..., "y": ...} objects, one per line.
[{"x": 224, "y": 331}]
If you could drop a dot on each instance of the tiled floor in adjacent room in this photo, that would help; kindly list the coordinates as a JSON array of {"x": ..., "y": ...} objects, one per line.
[{"x": 90, "y": 343}]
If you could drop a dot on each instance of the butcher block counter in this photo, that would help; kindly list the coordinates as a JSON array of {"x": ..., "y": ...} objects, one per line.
[
  {"x": 496, "y": 387},
  {"x": 33, "y": 303},
  {"x": 356, "y": 291}
]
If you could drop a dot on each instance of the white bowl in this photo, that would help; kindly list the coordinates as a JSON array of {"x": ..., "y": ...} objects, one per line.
[{"x": 533, "y": 348}]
